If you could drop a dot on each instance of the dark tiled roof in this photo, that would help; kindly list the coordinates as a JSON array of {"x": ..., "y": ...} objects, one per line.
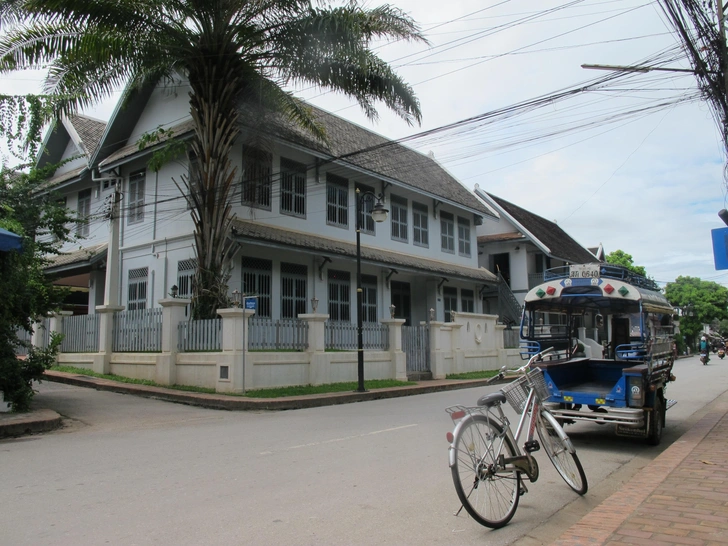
[
  {"x": 89, "y": 131},
  {"x": 178, "y": 130},
  {"x": 499, "y": 237},
  {"x": 561, "y": 245},
  {"x": 307, "y": 242},
  {"x": 367, "y": 150},
  {"x": 80, "y": 257}
]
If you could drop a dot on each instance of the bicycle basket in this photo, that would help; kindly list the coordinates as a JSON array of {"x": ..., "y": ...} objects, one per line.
[{"x": 517, "y": 392}]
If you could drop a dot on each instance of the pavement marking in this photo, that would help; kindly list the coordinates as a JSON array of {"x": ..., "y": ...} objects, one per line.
[{"x": 343, "y": 439}]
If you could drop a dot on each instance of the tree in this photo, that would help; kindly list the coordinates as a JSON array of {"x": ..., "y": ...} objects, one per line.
[
  {"x": 620, "y": 257},
  {"x": 701, "y": 302},
  {"x": 44, "y": 224},
  {"x": 232, "y": 52}
]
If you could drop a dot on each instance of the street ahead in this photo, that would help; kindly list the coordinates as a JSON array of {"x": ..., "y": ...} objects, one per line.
[{"x": 127, "y": 470}]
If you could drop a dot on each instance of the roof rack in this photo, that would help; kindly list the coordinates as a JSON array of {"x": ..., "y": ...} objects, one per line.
[{"x": 607, "y": 271}]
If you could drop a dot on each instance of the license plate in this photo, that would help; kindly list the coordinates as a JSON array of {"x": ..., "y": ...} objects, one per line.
[{"x": 584, "y": 271}]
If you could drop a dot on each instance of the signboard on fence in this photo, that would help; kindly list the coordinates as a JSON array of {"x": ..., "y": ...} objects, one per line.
[{"x": 251, "y": 303}]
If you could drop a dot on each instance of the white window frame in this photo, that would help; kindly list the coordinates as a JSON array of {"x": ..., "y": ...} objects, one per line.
[
  {"x": 398, "y": 216},
  {"x": 293, "y": 188},
  {"x": 137, "y": 187},
  {"x": 136, "y": 292},
  {"x": 463, "y": 236},
  {"x": 337, "y": 201},
  {"x": 447, "y": 232},
  {"x": 84, "y": 212},
  {"x": 420, "y": 225}
]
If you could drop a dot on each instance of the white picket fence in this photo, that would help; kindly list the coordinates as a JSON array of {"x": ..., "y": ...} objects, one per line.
[
  {"x": 138, "y": 331},
  {"x": 80, "y": 334},
  {"x": 343, "y": 336},
  {"x": 200, "y": 335},
  {"x": 272, "y": 335}
]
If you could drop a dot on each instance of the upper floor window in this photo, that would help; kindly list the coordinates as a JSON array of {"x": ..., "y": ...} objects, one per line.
[
  {"x": 420, "y": 233},
  {"x": 337, "y": 201},
  {"x": 399, "y": 218},
  {"x": 293, "y": 188},
  {"x": 463, "y": 236},
  {"x": 339, "y": 296},
  {"x": 137, "y": 289},
  {"x": 294, "y": 278},
  {"x": 447, "y": 232},
  {"x": 84, "y": 211},
  {"x": 137, "y": 183},
  {"x": 366, "y": 222},
  {"x": 257, "y": 274},
  {"x": 194, "y": 177},
  {"x": 467, "y": 299},
  {"x": 257, "y": 169}
]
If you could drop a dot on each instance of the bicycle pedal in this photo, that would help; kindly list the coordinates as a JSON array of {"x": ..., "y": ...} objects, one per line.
[
  {"x": 522, "y": 492},
  {"x": 531, "y": 446}
]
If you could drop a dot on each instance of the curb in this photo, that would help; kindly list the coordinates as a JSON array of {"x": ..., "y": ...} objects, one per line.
[
  {"x": 239, "y": 403},
  {"x": 20, "y": 424}
]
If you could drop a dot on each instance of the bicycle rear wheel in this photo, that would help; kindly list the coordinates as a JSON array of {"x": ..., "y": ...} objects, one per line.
[
  {"x": 488, "y": 493},
  {"x": 561, "y": 452}
]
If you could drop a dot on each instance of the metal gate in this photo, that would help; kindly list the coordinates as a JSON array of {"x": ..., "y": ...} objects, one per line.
[{"x": 416, "y": 347}]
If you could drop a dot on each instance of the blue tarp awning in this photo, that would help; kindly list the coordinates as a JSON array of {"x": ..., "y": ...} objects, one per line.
[{"x": 10, "y": 241}]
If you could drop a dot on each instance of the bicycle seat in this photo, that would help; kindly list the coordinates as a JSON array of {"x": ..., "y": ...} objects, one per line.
[{"x": 492, "y": 399}]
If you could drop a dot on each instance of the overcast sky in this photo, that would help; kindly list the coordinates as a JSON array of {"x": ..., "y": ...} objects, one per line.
[{"x": 650, "y": 183}]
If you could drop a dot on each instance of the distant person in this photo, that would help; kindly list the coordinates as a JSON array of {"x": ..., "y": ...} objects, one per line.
[{"x": 703, "y": 346}]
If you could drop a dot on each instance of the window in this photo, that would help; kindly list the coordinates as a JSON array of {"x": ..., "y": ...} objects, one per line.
[
  {"x": 186, "y": 270},
  {"x": 293, "y": 188},
  {"x": 257, "y": 169},
  {"x": 399, "y": 219},
  {"x": 339, "y": 296},
  {"x": 137, "y": 181},
  {"x": 467, "y": 298},
  {"x": 257, "y": 282},
  {"x": 447, "y": 232},
  {"x": 450, "y": 299},
  {"x": 337, "y": 201},
  {"x": 463, "y": 236},
  {"x": 137, "y": 290},
  {"x": 194, "y": 181},
  {"x": 294, "y": 279},
  {"x": 366, "y": 222},
  {"x": 369, "y": 298},
  {"x": 420, "y": 235},
  {"x": 84, "y": 211}
]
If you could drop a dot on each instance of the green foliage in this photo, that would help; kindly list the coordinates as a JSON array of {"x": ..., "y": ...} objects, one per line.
[
  {"x": 620, "y": 257},
  {"x": 17, "y": 375},
  {"x": 22, "y": 119},
  {"x": 44, "y": 224},
  {"x": 168, "y": 150},
  {"x": 701, "y": 302}
]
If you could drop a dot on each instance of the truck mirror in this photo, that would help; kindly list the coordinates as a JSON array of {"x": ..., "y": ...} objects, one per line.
[{"x": 599, "y": 318}]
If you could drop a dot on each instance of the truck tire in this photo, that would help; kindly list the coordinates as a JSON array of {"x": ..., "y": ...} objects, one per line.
[{"x": 656, "y": 421}]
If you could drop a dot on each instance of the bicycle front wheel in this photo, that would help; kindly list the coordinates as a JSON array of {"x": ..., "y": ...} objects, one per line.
[
  {"x": 561, "y": 452},
  {"x": 488, "y": 492}
]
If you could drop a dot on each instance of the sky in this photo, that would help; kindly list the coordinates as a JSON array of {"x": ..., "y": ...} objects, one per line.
[{"x": 635, "y": 164}]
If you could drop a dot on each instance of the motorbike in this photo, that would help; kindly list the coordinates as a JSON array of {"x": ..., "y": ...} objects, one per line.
[
  {"x": 704, "y": 358},
  {"x": 721, "y": 353}
]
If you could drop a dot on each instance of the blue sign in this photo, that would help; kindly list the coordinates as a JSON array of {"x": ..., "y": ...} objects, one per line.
[
  {"x": 251, "y": 303},
  {"x": 720, "y": 247}
]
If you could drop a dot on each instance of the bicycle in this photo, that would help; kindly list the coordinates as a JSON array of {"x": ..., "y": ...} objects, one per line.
[{"x": 486, "y": 463}]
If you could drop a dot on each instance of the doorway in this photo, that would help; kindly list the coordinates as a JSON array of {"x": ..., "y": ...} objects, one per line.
[
  {"x": 502, "y": 262},
  {"x": 402, "y": 301}
]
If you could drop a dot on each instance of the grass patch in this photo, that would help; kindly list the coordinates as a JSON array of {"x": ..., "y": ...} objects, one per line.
[
  {"x": 129, "y": 380},
  {"x": 303, "y": 390},
  {"x": 486, "y": 374},
  {"x": 277, "y": 392}
]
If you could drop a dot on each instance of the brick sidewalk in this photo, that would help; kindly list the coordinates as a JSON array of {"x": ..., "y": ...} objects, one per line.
[{"x": 679, "y": 498}]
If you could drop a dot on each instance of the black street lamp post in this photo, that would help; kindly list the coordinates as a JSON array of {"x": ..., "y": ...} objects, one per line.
[{"x": 379, "y": 214}]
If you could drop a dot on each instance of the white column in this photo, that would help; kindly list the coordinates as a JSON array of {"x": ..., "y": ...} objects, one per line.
[
  {"x": 318, "y": 363},
  {"x": 232, "y": 373},
  {"x": 399, "y": 359},
  {"x": 173, "y": 312}
]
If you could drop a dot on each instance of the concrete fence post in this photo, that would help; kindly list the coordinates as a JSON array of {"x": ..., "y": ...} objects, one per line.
[
  {"x": 398, "y": 358},
  {"x": 102, "y": 359},
  {"x": 173, "y": 312},
  {"x": 318, "y": 363}
]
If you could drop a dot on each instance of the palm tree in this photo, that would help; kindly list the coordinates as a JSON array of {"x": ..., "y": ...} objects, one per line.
[{"x": 232, "y": 52}]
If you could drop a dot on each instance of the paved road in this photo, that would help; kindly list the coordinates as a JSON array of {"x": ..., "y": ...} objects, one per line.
[{"x": 128, "y": 470}]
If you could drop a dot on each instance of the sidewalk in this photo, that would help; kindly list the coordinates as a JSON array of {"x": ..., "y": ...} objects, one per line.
[{"x": 681, "y": 497}]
